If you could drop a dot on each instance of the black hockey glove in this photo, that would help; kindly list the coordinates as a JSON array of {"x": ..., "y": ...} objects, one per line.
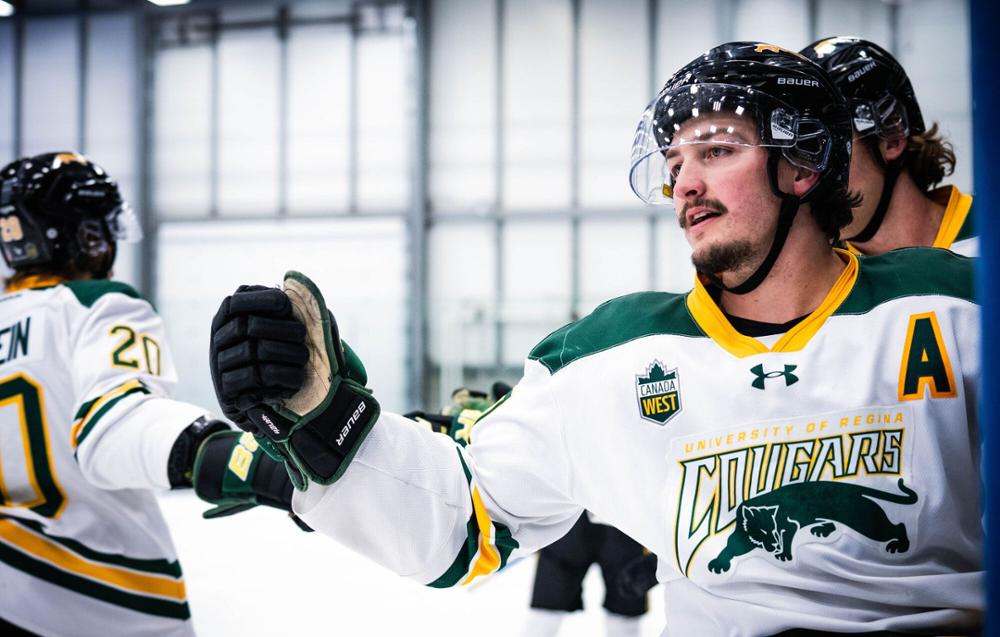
[
  {"x": 638, "y": 576},
  {"x": 232, "y": 472},
  {"x": 282, "y": 373},
  {"x": 226, "y": 468},
  {"x": 257, "y": 351},
  {"x": 180, "y": 462}
]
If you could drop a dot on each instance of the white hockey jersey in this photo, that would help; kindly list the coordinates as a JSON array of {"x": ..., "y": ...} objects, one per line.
[
  {"x": 86, "y": 426},
  {"x": 829, "y": 481}
]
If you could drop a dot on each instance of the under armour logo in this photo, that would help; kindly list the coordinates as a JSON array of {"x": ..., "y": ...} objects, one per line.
[{"x": 758, "y": 371}]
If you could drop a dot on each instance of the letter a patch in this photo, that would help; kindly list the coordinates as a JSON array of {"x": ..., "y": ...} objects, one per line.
[
  {"x": 925, "y": 361},
  {"x": 658, "y": 393}
]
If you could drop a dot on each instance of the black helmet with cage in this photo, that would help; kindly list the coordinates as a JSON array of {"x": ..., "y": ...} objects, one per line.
[
  {"x": 882, "y": 102},
  {"x": 61, "y": 211},
  {"x": 799, "y": 116}
]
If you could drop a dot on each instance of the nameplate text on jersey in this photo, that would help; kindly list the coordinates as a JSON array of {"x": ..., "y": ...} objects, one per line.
[{"x": 14, "y": 340}]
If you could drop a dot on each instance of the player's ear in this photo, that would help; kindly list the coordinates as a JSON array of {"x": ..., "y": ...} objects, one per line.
[
  {"x": 804, "y": 180},
  {"x": 892, "y": 148}
]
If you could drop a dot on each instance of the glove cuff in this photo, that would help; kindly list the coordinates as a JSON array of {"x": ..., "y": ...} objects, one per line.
[
  {"x": 220, "y": 462},
  {"x": 183, "y": 455},
  {"x": 232, "y": 472},
  {"x": 323, "y": 447}
]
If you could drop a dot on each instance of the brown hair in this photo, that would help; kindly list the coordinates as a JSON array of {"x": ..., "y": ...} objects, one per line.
[
  {"x": 929, "y": 158},
  {"x": 833, "y": 209},
  {"x": 68, "y": 272},
  {"x": 82, "y": 267}
]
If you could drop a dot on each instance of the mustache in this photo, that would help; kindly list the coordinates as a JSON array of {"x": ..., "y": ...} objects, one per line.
[{"x": 712, "y": 204}]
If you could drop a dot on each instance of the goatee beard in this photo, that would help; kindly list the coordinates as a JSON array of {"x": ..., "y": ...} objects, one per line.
[{"x": 719, "y": 259}]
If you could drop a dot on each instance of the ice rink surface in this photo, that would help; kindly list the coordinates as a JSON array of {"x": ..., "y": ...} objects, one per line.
[{"x": 256, "y": 573}]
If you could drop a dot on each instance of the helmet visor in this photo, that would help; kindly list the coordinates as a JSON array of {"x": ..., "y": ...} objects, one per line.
[
  {"x": 123, "y": 224},
  {"x": 718, "y": 114}
]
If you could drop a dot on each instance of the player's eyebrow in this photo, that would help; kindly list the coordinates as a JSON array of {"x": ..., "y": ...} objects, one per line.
[{"x": 728, "y": 130}]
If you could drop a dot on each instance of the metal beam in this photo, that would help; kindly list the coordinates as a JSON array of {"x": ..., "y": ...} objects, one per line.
[
  {"x": 352, "y": 118},
  {"x": 18, "y": 85},
  {"x": 574, "y": 158},
  {"x": 653, "y": 81},
  {"x": 417, "y": 390},
  {"x": 812, "y": 14},
  {"x": 83, "y": 30},
  {"x": 284, "y": 23},
  {"x": 332, "y": 215},
  {"x": 498, "y": 199},
  {"x": 652, "y": 45},
  {"x": 726, "y": 24},
  {"x": 144, "y": 78},
  {"x": 213, "y": 125},
  {"x": 549, "y": 215},
  {"x": 894, "y": 28}
]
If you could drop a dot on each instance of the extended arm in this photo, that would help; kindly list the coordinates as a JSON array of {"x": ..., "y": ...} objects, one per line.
[
  {"x": 410, "y": 499},
  {"x": 130, "y": 433}
]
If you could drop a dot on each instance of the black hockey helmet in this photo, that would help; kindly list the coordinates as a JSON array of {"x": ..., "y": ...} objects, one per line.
[
  {"x": 798, "y": 112},
  {"x": 882, "y": 102},
  {"x": 875, "y": 84},
  {"x": 59, "y": 208}
]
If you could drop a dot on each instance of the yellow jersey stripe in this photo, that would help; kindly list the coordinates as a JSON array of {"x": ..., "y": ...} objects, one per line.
[
  {"x": 955, "y": 212},
  {"x": 716, "y": 326},
  {"x": 100, "y": 402},
  {"x": 487, "y": 558},
  {"x": 799, "y": 336},
  {"x": 44, "y": 549}
]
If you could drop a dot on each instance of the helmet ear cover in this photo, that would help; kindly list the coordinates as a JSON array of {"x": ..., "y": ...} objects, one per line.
[
  {"x": 22, "y": 241},
  {"x": 884, "y": 118}
]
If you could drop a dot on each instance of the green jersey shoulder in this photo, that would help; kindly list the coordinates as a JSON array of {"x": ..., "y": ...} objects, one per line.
[
  {"x": 88, "y": 291},
  {"x": 613, "y": 323},
  {"x": 909, "y": 272}
]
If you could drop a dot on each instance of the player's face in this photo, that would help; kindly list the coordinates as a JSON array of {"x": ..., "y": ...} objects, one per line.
[{"x": 723, "y": 200}]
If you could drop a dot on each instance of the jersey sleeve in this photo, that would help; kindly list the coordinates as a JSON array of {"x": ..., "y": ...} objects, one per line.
[
  {"x": 420, "y": 505},
  {"x": 125, "y": 422}
]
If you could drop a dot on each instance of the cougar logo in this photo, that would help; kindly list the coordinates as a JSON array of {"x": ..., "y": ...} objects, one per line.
[{"x": 770, "y": 521}]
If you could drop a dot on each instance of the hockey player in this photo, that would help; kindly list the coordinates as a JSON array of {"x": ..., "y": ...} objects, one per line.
[
  {"x": 897, "y": 161},
  {"x": 87, "y": 426},
  {"x": 796, "y": 436}
]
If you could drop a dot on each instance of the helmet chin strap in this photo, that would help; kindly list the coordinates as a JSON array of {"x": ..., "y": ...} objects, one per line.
[
  {"x": 892, "y": 170},
  {"x": 789, "y": 207}
]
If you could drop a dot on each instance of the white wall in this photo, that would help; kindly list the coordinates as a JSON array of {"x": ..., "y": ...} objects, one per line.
[{"x": 359, "y": 268}]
